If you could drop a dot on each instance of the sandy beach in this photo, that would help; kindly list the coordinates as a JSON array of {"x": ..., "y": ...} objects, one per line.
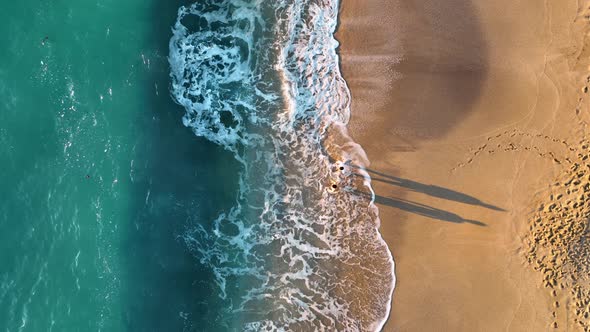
[{"x": 473, "y": 114}]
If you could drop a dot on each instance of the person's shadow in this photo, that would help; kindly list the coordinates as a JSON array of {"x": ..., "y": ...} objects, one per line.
[
  {"x": 432, "y": 190},
  {"x": 427, "y": 189},
  {"x": 425, "y": 210}
]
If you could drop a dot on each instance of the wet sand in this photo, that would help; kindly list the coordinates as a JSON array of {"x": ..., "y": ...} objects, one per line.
[{"x": 473, "y": 114}]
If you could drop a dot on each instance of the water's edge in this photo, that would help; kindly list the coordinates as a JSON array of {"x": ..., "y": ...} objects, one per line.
[
  {"x": 301, "y": 248},
  {"x": 339, "y": 25}
]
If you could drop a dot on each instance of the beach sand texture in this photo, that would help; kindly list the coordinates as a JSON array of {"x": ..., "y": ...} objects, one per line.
[{"x": 474, "y": 115}]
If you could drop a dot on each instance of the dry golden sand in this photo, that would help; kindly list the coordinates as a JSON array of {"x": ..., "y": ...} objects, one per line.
[{"x": 474, "y": 116}]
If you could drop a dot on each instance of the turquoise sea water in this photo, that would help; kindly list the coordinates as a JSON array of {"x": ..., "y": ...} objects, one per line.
[
  {"x": 98, "y": 174},
  {"x": 116, "y": 216}
]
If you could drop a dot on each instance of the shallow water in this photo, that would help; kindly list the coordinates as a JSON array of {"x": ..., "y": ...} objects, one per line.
[{"x": 116, "y": 216}]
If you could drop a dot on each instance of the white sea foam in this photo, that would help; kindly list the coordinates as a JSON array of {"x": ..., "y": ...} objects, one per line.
[{"x": 262, "y": 79}]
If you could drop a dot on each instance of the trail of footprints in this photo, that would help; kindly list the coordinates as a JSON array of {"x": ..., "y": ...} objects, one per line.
[
  {"x": 507, "y": 141},
  {"x": 558, "y": 242}
]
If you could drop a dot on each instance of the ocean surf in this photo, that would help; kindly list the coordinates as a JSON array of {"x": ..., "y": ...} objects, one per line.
[{"x": 300, "y": 249}]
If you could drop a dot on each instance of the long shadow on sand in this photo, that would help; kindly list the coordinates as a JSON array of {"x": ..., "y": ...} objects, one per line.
[
  {"x": 425, "y": 210},
  {"x": 432, "y": 190},
  {"x": 427, "y": 189},
  {"x": 421, "y": 209}
]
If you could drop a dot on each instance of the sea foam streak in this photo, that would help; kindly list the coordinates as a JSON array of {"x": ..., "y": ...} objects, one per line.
[{"x": 261, "y": 79}]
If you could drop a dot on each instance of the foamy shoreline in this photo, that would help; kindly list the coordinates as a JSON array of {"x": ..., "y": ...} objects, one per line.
[
  {"x": 379, "y": 325},
  {"x": 301, "y": 211}
]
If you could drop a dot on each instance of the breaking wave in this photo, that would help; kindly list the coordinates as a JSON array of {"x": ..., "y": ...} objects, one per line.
[{"x": 300, "y": 250}]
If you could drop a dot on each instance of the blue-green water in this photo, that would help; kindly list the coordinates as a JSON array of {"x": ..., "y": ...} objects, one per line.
[
  {"x": 114, "y": 216},
  {"x": 98, "y": 174}
]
